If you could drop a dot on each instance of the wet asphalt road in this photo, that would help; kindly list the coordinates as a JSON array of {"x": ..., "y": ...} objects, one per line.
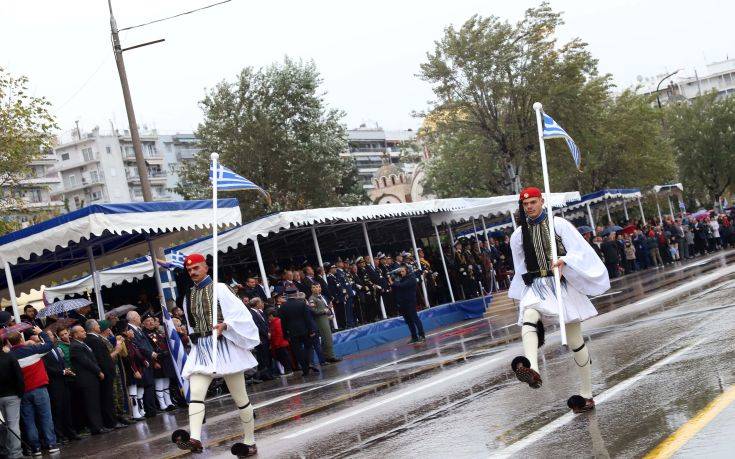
[{"x": 662, "y": 351}]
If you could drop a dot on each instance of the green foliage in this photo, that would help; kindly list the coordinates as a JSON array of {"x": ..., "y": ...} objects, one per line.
[
  {"x": 272, "y": 126},
  {"x": 703, "y": 137},
  {"x": 482, "y": 129},
  {"x": 26, "y": 129}
]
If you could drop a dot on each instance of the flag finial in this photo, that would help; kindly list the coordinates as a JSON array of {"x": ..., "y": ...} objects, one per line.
[
  {"x": 537, "y": 106},
  {"x": 214, "y": 156}
]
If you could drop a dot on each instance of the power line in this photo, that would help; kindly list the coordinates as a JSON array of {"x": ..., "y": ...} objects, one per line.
[{"x": 175, "y": 16}]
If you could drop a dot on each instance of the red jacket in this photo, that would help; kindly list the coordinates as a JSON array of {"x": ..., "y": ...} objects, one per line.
[
  {"x": 29, "y": 357},
  {"x": 277, "y": 339}
]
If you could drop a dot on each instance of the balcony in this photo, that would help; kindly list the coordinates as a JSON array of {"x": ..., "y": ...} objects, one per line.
[
  {"x": 129, "y": 156},
  {"x": 158, "y": 177},
  {"x": 87, "y": 182},
  {"x": 44, "y": 160},
  {"x": 68, "y": 165},
  {"x": 39, "y": 181}
]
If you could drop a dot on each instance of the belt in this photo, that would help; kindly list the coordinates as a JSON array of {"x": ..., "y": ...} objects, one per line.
[
  {"x": 194, "y": 337},
  {"x": 529, "y": 277}
]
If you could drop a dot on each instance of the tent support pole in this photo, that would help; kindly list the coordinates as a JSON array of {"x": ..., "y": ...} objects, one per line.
[
  {"x": 607, "y": 209},
  {"x": 451, "y": 235},
  {"x": 494, "y": 287},
  {"x": 592, "y": 220},
  {"x": 479, "y": 250},
  {"x": 640, "y": 207},
  {"x": 156, "y": 274},
  {"x": 418, "y": 261},
  {"x": 11, "y": 291},
  {"x": 96, "y": 280},
  {"x": 658, "y": 208},
  {"x": 321, "y": 265},
  {"x": 513, "y": 219},
  {"x": 671, "y": 208},
  {"x": 261, "y": 267},
  {"x": 625, "y": 211},
  {"x": 370, "y": 254},
  {"x": 444, "y": 263}
]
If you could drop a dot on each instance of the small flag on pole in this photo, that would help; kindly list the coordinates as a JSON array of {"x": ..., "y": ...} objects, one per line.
[
  {"x": 174, "y": 260},
  {"x": 552, "y": 131},
  {"x": 178, "y": 353},
  {"x": 229, "y": 180}
]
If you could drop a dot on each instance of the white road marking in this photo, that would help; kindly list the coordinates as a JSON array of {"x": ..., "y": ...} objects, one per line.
[
  {"x": 601, "y": 398},
  {"x": 401, "y": 394}
]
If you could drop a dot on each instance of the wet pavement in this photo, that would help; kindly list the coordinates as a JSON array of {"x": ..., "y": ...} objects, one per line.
[{"x": 662, "y": 352}]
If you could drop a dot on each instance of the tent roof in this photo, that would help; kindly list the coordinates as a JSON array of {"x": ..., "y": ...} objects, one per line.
[
  {"x": 495, "y": 207},
  {"x": 275, "y": 223},
  {"x": 57, "y": 249},
  {"x": 601, "y": 195}
]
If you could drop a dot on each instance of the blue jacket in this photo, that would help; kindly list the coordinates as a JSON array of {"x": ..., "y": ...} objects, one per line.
[{"x": 404, "y": 290}]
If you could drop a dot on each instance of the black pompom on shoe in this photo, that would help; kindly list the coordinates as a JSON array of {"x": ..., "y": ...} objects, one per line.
[
  {"x": 522, "y": 368},
  {"x": 579, "y": 404},
  {"x": 242, "y": 450},
  {"x": 180, "y": 435}
]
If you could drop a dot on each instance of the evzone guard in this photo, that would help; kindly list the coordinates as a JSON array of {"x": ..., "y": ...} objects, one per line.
[
  {"x": 583, "y": 274},
  {"x": 237, "y": 334}
]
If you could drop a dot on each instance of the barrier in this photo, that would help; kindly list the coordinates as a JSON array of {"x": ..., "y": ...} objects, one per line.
[{"x": 376, "y": 334}]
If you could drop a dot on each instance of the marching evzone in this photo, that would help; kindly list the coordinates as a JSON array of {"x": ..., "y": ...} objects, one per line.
[
  {"x": 237, "y": 335},
  {"x": 583, "y": 273}
]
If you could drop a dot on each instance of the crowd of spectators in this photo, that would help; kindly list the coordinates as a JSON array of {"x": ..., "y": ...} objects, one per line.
[{"x": 639, "y": 246}]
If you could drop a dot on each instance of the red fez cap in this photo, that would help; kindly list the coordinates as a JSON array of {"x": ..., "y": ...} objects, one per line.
[
  {"x": 530, "y": 192},
  {"x": 194, "y": 258}
]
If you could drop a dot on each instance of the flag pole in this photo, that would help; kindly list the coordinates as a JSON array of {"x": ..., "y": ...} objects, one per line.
[
  {"x": 215, "y": 169},
  {"x": 550, "y": 215}
]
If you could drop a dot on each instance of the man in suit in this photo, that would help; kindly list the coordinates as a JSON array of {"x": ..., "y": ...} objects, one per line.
[
  {"x": 102, "y": 355},
  {"x": 346, "y": 286},
  {"x": 89, "y": 376},
  {"x": 262, "y": 351},
  {"x": 58, "y": 391},
  {"x": 309, "y": 278},
  {"x": 298, "y": 327},
  {"x": 144, "y": 346},
  {"x": 253, "y": 289}
]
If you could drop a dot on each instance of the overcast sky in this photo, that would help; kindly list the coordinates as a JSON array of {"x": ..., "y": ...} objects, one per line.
[{"x": 367, "y": 52}]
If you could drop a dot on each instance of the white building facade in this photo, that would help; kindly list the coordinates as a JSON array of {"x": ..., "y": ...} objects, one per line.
[
  {"x": 689, "y": 84},
  {"x": 32, "y": 201},
  {"x": 100, "y": 167}
]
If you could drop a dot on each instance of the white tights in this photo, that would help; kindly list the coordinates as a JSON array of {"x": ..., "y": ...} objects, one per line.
[
  {"x": 136, "y": 400},
  {"x": 162, "y": 393},
  {"x": 574, "y": 340},
  {"x": 198, "y": 385}
]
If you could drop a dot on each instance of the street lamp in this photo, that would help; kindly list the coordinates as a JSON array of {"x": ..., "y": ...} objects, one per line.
[{"x": 658, "y": 86}]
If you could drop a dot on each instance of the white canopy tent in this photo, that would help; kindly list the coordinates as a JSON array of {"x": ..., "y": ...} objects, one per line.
[{"x": 68, "y": 245}]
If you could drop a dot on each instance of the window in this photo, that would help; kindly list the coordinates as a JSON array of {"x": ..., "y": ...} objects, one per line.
[
  {"x": 65, "y": 156},
  {"x": 94, "y": 176},
  {"x": 108, "y": 149},
  {"x": 77, "y": 202},
  {"x": 72, "y": 180},
  {"x": 96, "y": 195},
  {"x": 87, "y": 153}
]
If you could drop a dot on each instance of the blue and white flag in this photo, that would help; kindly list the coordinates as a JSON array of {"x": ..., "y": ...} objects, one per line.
[
  {"x": 178, "y": 353},
  {"x": 175, "y": 260},
  {"x": 552, "y": 131},
  {"x": 229, "y": 180}
]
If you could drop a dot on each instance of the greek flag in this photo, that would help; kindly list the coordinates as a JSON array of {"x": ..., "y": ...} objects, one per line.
[
  {"x": 175, "y": 259},
  {"x": 552, "y": 131},
  {"x": 229, "y": 180},
  {"x": 178, "y": 353}
]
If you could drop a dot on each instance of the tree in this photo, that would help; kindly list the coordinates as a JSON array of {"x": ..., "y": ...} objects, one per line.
[
  {"x": 704, "y": 141},
  {"x": 272, "y": 126},
  {"x": 26, "y": 129},
  {"x": 486, "y": 76}
]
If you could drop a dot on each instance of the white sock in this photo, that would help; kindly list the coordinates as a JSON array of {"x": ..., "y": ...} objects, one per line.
[
  {"x": 159, "y": 393},
  {"x": 236, "y": 385},
  {"x": 581, "y": 358},
  {"x": 530, "y": 337},
  {"x": 133, "y": 400},
  {"x": 198, "y": 385},
  {"x": 167, "y": 392}
]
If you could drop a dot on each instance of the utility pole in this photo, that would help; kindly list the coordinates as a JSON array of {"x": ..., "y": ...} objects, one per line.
[{"x": 145, "y": 184}]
